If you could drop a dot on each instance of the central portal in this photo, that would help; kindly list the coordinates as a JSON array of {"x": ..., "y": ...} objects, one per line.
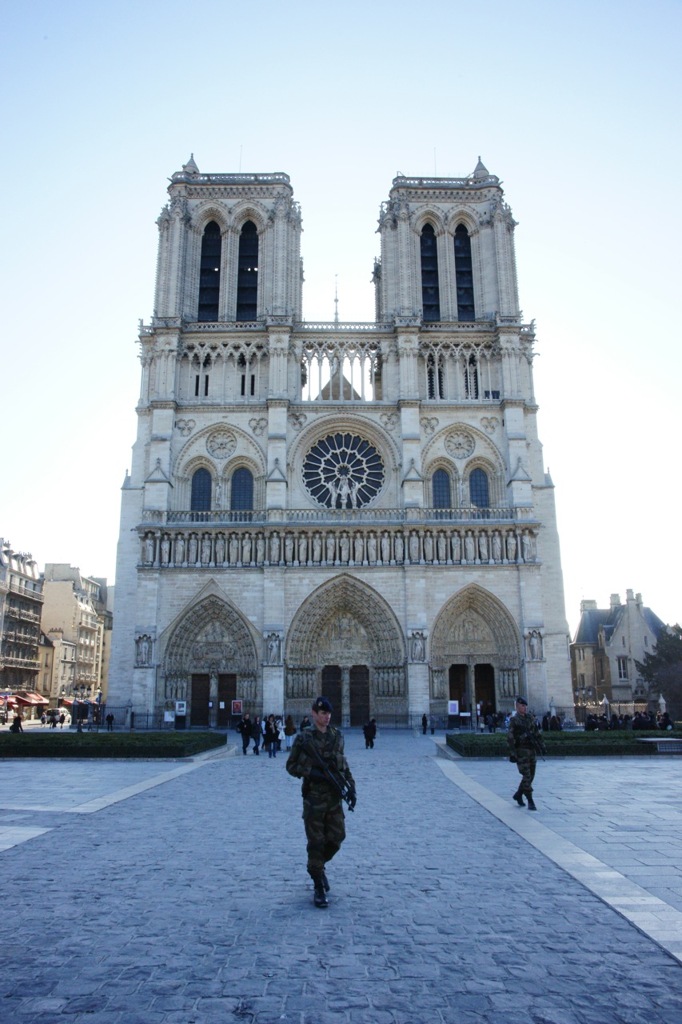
[{"x": 351, "y": 683}]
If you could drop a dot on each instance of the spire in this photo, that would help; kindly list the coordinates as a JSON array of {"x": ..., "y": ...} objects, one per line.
[
  {"x": 481, "y": 171},
  {"x": 190, "y": 167}
]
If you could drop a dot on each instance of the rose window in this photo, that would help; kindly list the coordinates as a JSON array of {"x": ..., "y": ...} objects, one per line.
[{"x": 343, "y": 471}]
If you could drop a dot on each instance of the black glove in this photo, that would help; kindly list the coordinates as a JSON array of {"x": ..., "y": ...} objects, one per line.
[
  {"x": 352, "y": 799},
  {"x": 513, "y": 758}
]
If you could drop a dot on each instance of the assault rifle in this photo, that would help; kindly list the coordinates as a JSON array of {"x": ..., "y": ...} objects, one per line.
[
  {"x": 532, "y": 737},
  {"x": 535, "y": 737},
  {"x": 345, "y": 788}
]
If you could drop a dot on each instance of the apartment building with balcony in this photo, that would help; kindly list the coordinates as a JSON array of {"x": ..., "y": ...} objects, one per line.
[
  {"x": 21, "y": 604},
  {"x": 72, "y": 610},
  {"x": 57, "y": 666}
]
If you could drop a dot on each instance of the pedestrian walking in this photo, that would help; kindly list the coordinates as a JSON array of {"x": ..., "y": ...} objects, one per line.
[
  {"x": 289, "y": 731},
  {"x": 110, "y": 722},
  {"x": 370, "y": 731},
  {"x": 525, "y": 743},
  {"x": 270, "y": 736},
  {"x": 317, "y": 757},
  {"x": 244, "y": 730},
  {"x": 257, "y": 734},
  {"x": 425, "y": 724}
]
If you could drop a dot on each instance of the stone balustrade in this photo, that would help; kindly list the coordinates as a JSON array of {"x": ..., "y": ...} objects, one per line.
[{"x": 333, "y": 517}]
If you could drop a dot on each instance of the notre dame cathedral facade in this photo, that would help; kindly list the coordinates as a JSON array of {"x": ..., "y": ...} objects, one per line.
[{"x": 359, "y": 509}]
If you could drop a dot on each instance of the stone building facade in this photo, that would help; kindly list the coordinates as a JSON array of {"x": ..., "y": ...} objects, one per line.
[
  {"x": 57, "y": 667},
  {"x": 354, "y": 508},
  {"x": 74, "y": 610},
  {"x": 608, "y": 644},
  {"x": 21, "y": 603}
]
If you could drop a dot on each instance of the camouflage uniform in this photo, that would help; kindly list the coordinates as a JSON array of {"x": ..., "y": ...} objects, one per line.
[
  {"x": 322, "y": 807},
  {"x": 525, "y": 743}
]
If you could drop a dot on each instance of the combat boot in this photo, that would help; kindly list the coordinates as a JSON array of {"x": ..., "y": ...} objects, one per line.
[
  {"x": 531, "y": 804},
  {"x": 319, "y": 896},
  {"x": 518, "y": 797}
]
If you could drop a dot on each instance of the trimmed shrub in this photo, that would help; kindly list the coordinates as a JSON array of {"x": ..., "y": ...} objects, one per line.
[
  {"x": 618, "y": 743},
  {"x": 60, "y": 743}
]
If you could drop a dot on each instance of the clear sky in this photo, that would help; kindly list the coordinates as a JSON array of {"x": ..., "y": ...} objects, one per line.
[{"x": 576, "y": 107}]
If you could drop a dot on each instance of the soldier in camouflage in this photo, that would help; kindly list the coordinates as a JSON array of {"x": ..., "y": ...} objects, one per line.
[
  {"x": 317, "y": 751},
  {"x": 525, "y": 743}
]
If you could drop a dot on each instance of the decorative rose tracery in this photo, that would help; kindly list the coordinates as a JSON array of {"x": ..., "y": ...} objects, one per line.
[{"x": 343, "y": 470}]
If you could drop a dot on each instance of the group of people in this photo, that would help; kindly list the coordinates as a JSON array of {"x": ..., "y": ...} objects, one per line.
[
  {"x": 316, "y": 756},
  {"x": 640, "y": 720},
  {"x": 54, "y": 718},
  {"x": 268, "y": 733}
]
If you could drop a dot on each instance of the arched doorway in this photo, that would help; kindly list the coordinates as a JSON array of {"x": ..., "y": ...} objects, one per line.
[
  {"x": 346, "y": 640},
  {"x": 209, "y": 661},
  {"x": 475, "y": 654}
]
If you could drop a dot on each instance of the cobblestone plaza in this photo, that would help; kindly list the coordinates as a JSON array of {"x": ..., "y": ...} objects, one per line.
[{"x": 176, "y": 893}]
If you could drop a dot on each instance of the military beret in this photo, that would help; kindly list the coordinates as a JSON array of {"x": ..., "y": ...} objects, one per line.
[
  {"x": 322, "y": 704},
  {"x": 522, "y": 700}
]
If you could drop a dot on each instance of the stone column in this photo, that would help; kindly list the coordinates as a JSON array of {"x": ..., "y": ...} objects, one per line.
[
  {"x": 273, "y": 689},
  {"x": 417, "y": 689},
  {"x": 213, "y": 701}
]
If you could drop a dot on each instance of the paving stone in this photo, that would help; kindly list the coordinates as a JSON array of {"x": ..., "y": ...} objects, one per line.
[{"x": 196, "y": 916}]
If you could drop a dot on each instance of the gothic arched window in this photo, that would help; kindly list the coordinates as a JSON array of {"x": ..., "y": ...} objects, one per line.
[
  {"x": 441, "y": 489},
  {"x": 471, "y": 377},
  {"x": 429, "y": 258},
  {"x": 479, "y": 490},
  {"x": 241, "y": 499},
  {"x": 201, "y": 491},
  {"x": 209, "y": 273},
  {"x": 247, "y": 273},
  {"x": 435, "y": 384},
  {"x": 464, "y": 275}
]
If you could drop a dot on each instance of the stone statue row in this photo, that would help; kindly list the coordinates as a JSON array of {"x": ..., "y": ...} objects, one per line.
[{"x": 348, "y": 547}]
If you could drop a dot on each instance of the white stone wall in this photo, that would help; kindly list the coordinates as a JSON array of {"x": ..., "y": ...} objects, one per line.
[{"x": 507, "y": 560}]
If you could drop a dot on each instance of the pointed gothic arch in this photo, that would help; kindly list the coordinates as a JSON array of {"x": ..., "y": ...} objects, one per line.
[
  {"x": 346, "y": 623},
  {"x": 474, "y": 629},
  {"x": 211, "y": 638}
]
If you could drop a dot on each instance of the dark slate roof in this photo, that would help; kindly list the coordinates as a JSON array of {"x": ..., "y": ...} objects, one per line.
[{"x": 594, "y": 618}]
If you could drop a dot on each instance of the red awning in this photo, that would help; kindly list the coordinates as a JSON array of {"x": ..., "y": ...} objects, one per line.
[{"x": 31, "y": 698}]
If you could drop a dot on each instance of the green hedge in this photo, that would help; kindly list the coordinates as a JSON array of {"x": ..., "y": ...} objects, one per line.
[
  {"x": 108, "y": 744},
  {"x": 621, "y": 742}
]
